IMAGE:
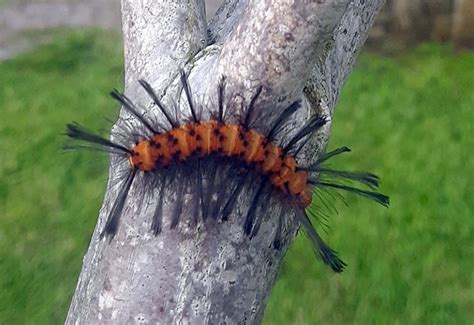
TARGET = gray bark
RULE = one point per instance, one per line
(214, 274)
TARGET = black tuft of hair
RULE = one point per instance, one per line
(77, 132)
(328, 255)
(290, 110)
(113, 218)
(313, 124)
(234, 194)
(157, 222)
(250, 219)
(365, 178)
(265, 198)
(376, 196)
(187, 91)
(163, 109)
(207, 196)
(250, 111)
(277, 239)
(331, 154)
(178, 205)
(132, 109)
(220, 100)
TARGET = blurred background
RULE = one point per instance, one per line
(407, 112)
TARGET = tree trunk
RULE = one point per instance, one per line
(214, 274)
(463, 24)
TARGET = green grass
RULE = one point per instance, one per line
(49, 200)
(409, 119)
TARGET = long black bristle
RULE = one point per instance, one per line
(313, 124)
(187, 90)
(265, 197)
(328, 255)
(331, 154)
(234, 194)
(130, 107)
(198, 196)
(277, 239)
(178, 205)
(200, 177)
(377, 197)
(290, 110)
(249, 220)
(328, 203)
(114, 216)
(250, 110)
(220, 100)
(77, 132)
(157, 222)
(366, 178)
(163, 109)
(321, 217)
(210, 188)
(68, 146)
(222, 190)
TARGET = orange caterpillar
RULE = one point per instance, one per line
(197, 149)
(230, 140)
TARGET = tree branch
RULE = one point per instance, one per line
(160, 36)
(336, 57)
(275, 42)
(215, 273)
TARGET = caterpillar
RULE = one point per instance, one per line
(199, 148)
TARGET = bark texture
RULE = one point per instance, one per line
(214, 274)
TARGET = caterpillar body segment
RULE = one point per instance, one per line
(215, 160)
